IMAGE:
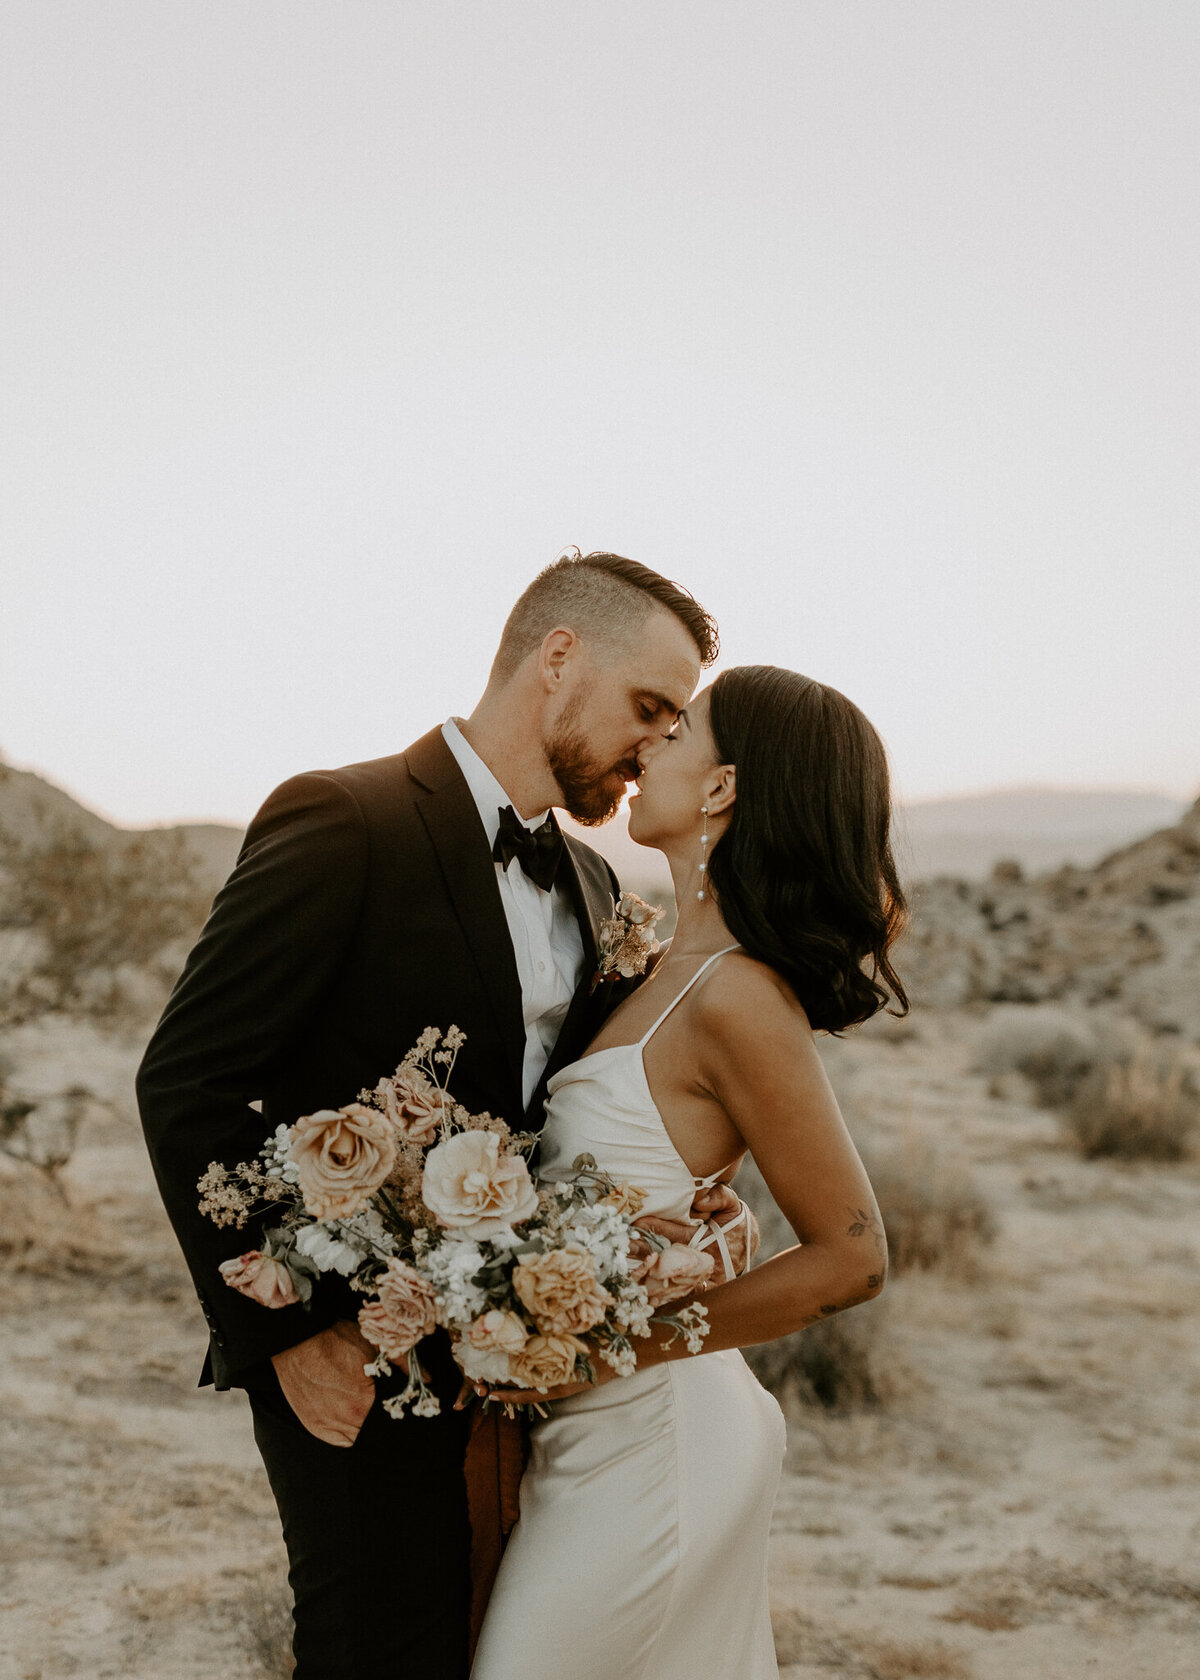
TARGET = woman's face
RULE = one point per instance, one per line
(675, 774)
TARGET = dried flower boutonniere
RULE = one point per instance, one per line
(627, 939)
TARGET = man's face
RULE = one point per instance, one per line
(615, 711)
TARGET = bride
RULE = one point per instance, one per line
(641, 1550)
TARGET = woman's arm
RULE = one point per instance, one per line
(757, 1058)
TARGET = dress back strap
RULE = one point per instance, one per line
(679, 996)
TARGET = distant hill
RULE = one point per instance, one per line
(30, 805)
(1042, 828)
(1125, 933)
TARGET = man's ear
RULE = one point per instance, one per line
(558, 647)
(720, 792)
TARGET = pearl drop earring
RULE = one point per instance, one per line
(702, 894)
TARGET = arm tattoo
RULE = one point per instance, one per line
(866, 1223)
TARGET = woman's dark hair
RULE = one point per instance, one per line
(804, 874)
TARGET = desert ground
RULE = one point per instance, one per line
(1018, 1498)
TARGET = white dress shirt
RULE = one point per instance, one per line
(545, 933)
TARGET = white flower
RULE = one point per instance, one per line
(632, 1311)
(489, 1365)
(451, 1268)
(604, 1232)
(328, 1250)
(620, 1356)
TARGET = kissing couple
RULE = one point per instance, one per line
(436, 886)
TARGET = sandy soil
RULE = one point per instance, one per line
(1023, 1503)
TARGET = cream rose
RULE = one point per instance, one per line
(469, 1186)
(670, 1274)
(262, 1278)
(561, 1291)
(342, 1156)
(545, 1362)
(499, 1332)
(412, 1103)
(404, 1312)
(483, 1365)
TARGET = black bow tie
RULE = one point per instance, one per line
(537, 850)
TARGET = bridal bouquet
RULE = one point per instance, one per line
(432, 1214)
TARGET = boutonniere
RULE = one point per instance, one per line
(627, 939)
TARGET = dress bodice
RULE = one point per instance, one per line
(601, 1105)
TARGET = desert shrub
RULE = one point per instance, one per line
(932, 1211)
(40, 1233)
(86, 909)
(1051, 1047)
(1140, 1106)
(832, 1364)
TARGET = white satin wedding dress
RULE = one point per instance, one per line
(641, 1549)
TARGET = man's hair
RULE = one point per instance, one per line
(605, 599)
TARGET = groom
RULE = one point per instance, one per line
(427, 889)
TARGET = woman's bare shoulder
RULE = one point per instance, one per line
(744, 995)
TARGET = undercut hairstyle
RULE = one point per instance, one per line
(804, 873)
(605, 599)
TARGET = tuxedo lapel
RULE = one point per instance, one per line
(456, 833)
(587, 881)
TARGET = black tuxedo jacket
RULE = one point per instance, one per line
(363, 908)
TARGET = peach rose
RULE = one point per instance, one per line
(561, 1292)
(412, 1103)
(404, 1312)
(626, 1198)
(545, 1362)
(469, 1186)
(343, 1155)
(671, 1273)
(262, 1278)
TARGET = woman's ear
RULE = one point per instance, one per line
(720, 791)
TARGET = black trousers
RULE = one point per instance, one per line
(377, 1538)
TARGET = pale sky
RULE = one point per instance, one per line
(323, 326)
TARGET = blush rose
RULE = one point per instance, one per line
(403, 1313)
(262, 1278)
(412, 1103)
(670, 1273)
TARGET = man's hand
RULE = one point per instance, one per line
(718, 1207)
(324, 1383)
(721, 1206)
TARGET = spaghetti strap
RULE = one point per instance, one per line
(679, 997)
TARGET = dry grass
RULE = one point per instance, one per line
(42, 1233)
(1032, 1588)
(1051, 1047)
(1141, 1107)
(799, 1640)
(930, 1659)
(933, 1214)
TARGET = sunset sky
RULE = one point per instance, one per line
(324, 326)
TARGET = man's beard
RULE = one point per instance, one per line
(586, 790)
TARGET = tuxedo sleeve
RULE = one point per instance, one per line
(269, 950)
